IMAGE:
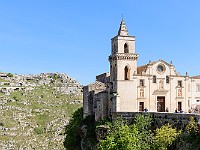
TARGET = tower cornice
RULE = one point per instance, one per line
(123, 56)
(122, 37)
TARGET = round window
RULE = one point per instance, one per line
(160, 68)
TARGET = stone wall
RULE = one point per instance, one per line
(90, 97)
(179, 120)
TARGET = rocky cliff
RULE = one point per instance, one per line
(34, 109)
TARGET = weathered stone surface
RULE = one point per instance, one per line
(179, 120)
(35, 109)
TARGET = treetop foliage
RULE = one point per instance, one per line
(122, 136)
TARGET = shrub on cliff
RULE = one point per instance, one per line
(129, 137)
(73, 138)
(10, 75)
(165, 137)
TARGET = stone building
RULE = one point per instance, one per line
(155, 86)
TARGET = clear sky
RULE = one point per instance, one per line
(73, 37)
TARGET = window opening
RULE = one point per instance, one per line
(154, 79)
(126, 73)
(167, 79)
(126, 48)
(179, 83)
(141, 82)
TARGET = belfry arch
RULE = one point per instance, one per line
(126, 49)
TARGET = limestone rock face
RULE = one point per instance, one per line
(35, 109)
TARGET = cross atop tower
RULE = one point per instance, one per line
(122, 29)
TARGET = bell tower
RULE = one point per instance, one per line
(123, 64)
(123, 59)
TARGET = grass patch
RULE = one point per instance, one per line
(42, 119)
(39, 130)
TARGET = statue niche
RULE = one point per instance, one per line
(161, 84)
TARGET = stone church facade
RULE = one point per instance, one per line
(155, 86)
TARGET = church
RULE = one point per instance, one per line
(153, 87)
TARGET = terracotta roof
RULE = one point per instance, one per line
(141, 69)
(196, 77)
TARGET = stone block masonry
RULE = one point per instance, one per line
(179, 120)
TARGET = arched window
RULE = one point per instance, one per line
(126, 73)
(167, 79)
(126, 48)
(154, 79)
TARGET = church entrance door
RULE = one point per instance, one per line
(161, 104)
(141, 107)
(179, 106)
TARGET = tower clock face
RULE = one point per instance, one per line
(160, 68)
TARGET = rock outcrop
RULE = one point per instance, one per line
(35, 109)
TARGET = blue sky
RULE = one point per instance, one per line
(73, 37)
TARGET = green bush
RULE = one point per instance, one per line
(73, 139)
(73, 131)
(129, 137)
(39, 130)
(192, 128)
(55, 76)
(122, 137)
(15, 98)
(165, 137)
(10, 75)
(6, 84)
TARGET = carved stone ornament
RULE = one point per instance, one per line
(161, 84)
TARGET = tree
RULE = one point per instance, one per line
(192, 128)
(121, 137)
(73, 139)
(80, 131)
(164, 137)
(129, 137)
(143, 124)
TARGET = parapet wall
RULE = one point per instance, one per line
(179, 120)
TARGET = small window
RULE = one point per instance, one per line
(141, 82)
(154, 79)
(167, 79)
(179, 83)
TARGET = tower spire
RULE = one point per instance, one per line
(122, 29)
